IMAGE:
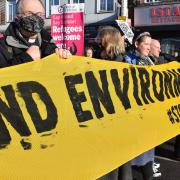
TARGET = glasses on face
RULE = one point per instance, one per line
(29, 13)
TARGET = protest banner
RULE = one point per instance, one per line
(67, 27)
(81, 118)
(124, 26)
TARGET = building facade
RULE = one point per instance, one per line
(162, 19)
(7, 11)
(95, 10)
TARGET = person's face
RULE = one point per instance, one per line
(89, 53)
(33, 6)
(30, 20)
(144, 46)
(155, 48)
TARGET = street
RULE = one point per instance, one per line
(170, 168)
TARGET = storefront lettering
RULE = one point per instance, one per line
(165, 12)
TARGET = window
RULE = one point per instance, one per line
(75, 1)
(11, 10)
(151, 1)
(105, 5)
(54, 2)
(49, 3)
(171, 46)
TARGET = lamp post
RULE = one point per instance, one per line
(124, 8)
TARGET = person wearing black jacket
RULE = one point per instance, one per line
(112, 48)
(111, 44)
(25, 39)
(155, 50)
(177, 148)
(140, 56)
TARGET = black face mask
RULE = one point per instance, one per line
(33, 23)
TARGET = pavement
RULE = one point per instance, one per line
(169, 167)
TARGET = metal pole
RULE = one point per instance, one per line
(124, 8)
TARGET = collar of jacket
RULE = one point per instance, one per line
(153, 58)
(143, 60)
(15, 39)
(11, 41)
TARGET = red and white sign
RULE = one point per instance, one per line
(157, 15)
(167, 14)
(67, 27)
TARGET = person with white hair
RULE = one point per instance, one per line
(155, 50)
(25, 39)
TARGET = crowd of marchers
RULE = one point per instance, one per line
(111, 44)
(26, 40)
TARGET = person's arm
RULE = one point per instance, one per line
(49, 47)
(127, 59)
(7, 59)
(130, 58)
(19, 59)
(119, 58)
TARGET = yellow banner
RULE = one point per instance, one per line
(81, 118)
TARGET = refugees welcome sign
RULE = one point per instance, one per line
(81, 118)
(67, 27)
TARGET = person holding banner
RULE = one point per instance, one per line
(155, 50)
(88, 52)
(177, 148)
(25, 39)
(112, 47)
(111, 44)
(140, 56)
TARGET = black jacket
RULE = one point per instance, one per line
(13, 46)
(159, 60)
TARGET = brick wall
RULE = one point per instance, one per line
(2, 11)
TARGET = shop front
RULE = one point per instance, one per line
(163, 22)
